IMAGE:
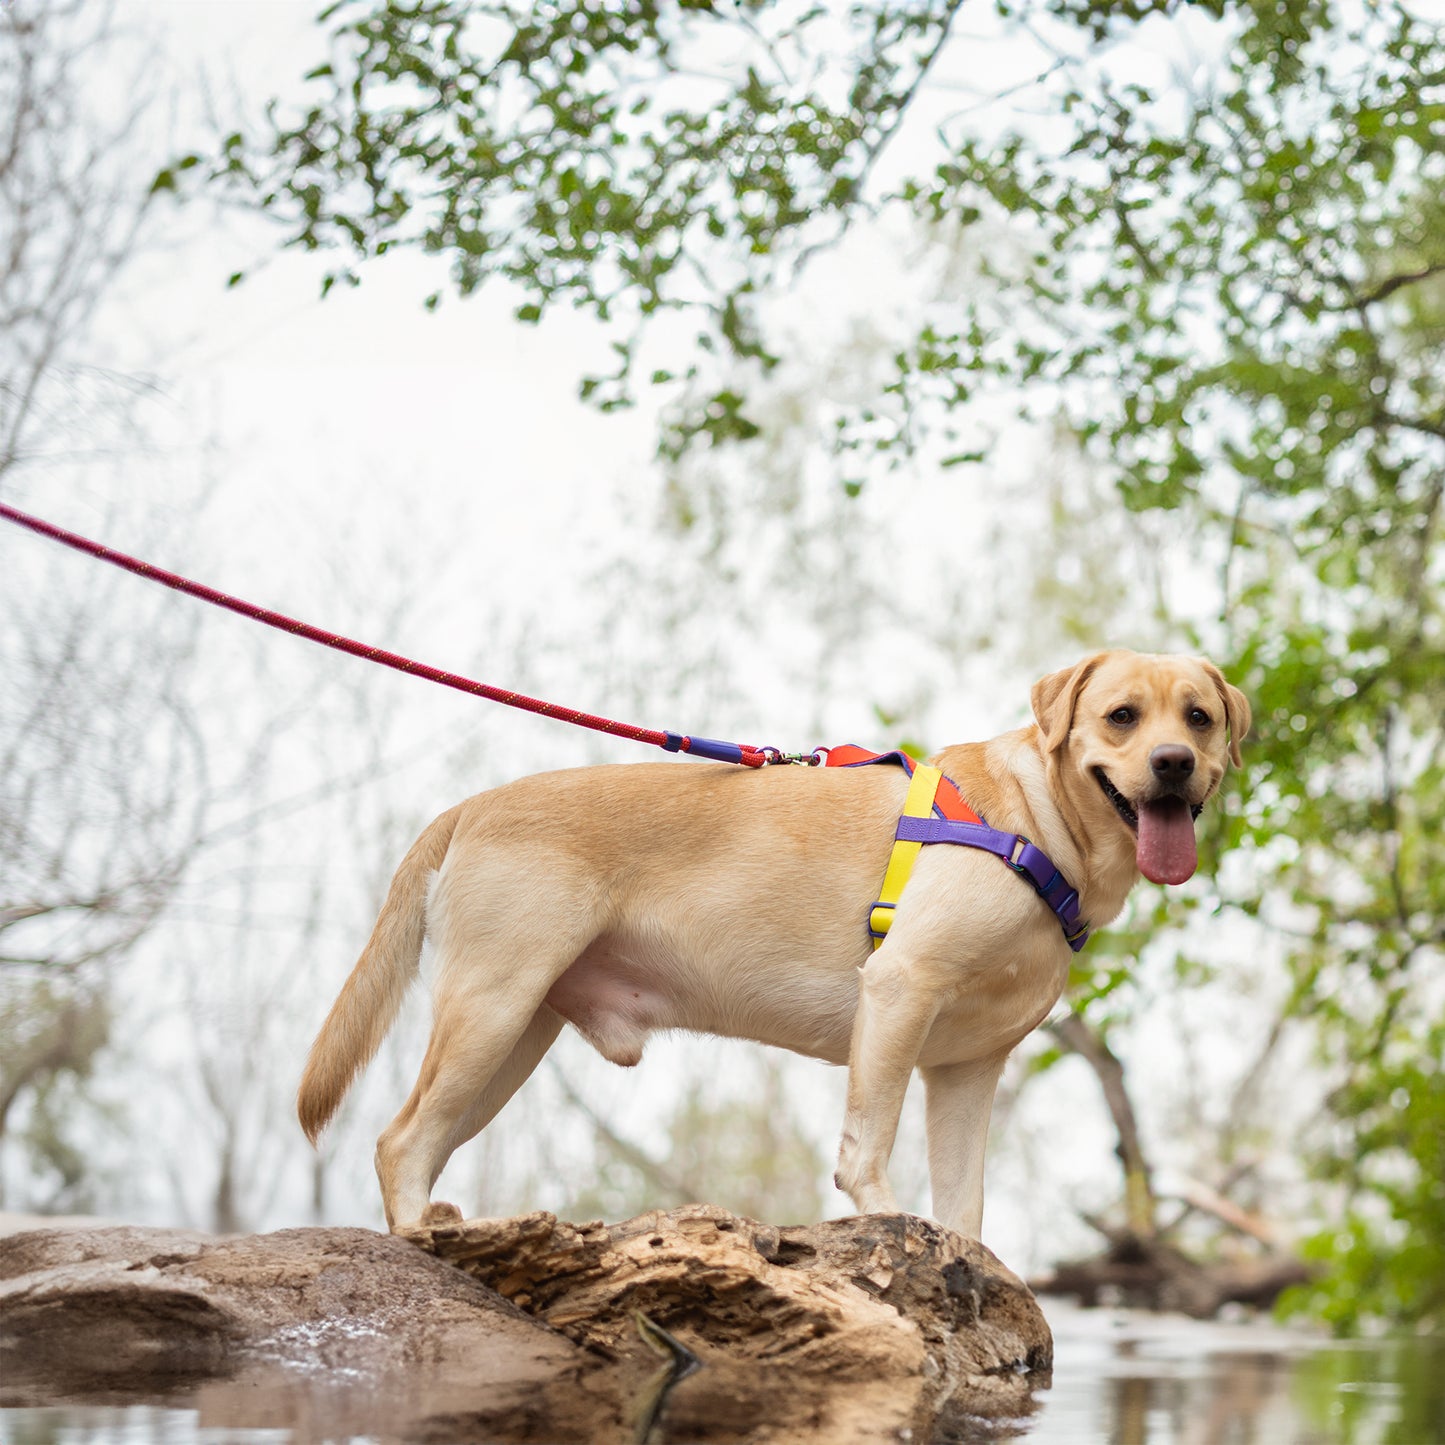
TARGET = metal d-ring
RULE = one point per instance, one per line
(803, 760)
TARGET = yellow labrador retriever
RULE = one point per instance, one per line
(735, 901)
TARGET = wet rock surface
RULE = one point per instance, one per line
(327, 1332)
(871, 1328)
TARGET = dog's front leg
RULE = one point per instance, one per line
(960, 1100)
(893, 1019)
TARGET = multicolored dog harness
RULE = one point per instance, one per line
(935, 812)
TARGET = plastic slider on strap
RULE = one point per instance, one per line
(1032, 862)
(880, 916)
(1035, 865)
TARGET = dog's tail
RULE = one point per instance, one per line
(371, 998)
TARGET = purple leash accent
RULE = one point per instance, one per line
(703, 748)
(1026, 859)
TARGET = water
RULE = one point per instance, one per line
(1127, 1378)
(1120, 1378)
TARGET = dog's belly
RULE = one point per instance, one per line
(621, 990)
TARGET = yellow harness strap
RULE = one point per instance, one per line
(918, 804)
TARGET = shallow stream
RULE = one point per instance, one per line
(1126, 1378)
(1120, 1378)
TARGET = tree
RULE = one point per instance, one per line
(100, 759)
(73, 221)
(640, 162)
(1227, 292)
(1269, 323)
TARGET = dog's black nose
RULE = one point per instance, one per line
(1172, 763)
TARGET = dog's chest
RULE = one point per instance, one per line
(998, 1009)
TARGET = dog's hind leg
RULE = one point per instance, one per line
(516, 1069)
(507, 923)
(461, 1088)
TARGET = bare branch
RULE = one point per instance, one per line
(1076, 1036)
(658, 1176)
(1392, 284)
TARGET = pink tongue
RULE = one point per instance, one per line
(1166, 852)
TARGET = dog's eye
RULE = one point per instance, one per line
(1121, 717)
(1199, 717)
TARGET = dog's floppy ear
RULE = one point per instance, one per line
(1236, 711)
(1054, 698)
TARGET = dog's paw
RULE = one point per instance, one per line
(441, 1213)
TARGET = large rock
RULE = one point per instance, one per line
(527, 1329)
(327, 1332)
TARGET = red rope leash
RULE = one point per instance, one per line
(748, 756)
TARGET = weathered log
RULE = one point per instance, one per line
(857, 1329)
(774, 1313)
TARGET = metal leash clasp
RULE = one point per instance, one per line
(803, 760)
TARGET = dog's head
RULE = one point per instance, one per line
(1141, 742)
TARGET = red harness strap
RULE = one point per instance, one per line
(948, 802)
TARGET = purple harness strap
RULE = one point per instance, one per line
(1030, 862)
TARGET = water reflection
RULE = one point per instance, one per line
(1122, 1378)
(129, 1425)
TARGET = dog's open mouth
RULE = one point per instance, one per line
(1164, 827)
